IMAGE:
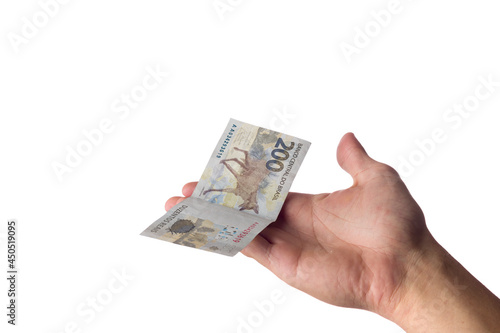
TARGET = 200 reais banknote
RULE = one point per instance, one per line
(241, 191)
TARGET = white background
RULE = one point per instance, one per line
(262, 58)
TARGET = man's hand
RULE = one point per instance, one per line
(365, 247)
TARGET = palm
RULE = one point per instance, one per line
(343, 247)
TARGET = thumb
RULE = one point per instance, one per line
(353, 158)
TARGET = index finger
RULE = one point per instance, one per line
(188, 189)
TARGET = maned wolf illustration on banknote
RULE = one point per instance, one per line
(241, 191)
(253, 172)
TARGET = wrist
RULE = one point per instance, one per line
(440, 295)
(426, 289)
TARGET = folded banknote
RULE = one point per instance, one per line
(241, 191)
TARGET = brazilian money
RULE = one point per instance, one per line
(241, 191)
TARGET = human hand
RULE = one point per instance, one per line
(366, 246)
(351, 247)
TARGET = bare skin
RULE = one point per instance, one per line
(368, 247)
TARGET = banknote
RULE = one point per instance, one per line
(241, 191)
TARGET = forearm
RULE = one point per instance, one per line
(440, 295)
